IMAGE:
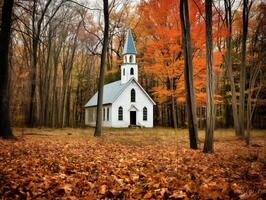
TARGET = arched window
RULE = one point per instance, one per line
(124, 72)
(120, 113)
(131, 71)
(130, 59)
(133, 95)
(145, 114)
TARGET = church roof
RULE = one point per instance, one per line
(112, 91)
(129, 47)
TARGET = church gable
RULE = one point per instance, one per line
(134, 94)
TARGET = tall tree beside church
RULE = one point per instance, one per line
(5, 32)
(210, 115)
(98, 128)
(188, 74)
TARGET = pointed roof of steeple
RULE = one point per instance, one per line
(129, 46)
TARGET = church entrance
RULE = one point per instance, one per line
(133, 118)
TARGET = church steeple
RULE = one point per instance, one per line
(129, 68)
(129, 47)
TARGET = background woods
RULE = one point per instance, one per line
(55, 57)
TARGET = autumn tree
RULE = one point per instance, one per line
(98, 128)
(256, 68)
(188, 74)
(210, 119)
(160, 50)
(5, 33)
(63, 47)
(229, 62)
(160, 58)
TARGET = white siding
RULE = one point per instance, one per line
(90, 116)
(125, 78)
(124, 100)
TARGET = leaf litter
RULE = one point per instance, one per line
(77, 167)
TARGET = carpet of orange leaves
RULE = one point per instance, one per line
(68, 165)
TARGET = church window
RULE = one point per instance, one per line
(133, 95)
(124, 72)
(130, 59)
(103, 114)
(131, 71)
(108, 114)
(145, 114)
(120, 113)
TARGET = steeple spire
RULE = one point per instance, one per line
(129, 69)
(129, 47)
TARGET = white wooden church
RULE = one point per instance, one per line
(125, 102)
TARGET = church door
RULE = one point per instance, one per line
(133, 117)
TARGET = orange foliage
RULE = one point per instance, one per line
(159, 40)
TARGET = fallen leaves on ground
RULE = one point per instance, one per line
(75, 167)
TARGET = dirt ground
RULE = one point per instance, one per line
(130, 164)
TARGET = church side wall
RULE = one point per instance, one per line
(124, 100)
(90, 116)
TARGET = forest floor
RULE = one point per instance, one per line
(130, 164)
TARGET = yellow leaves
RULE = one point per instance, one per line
(103, 189)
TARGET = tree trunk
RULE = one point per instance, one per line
(188, 74)
(243, 68)
(54, 102)
(249, 118)
(173, 104)
(98, 128)
(5, 33)
(210, 107)
(228, 59)
(35, 95)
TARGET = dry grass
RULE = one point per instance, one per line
(138, 136)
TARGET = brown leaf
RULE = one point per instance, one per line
(178, 195)
(67, 188)
(190, 187)
(235, 187)
(103, 189)
(134, 177)
(148, 195)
